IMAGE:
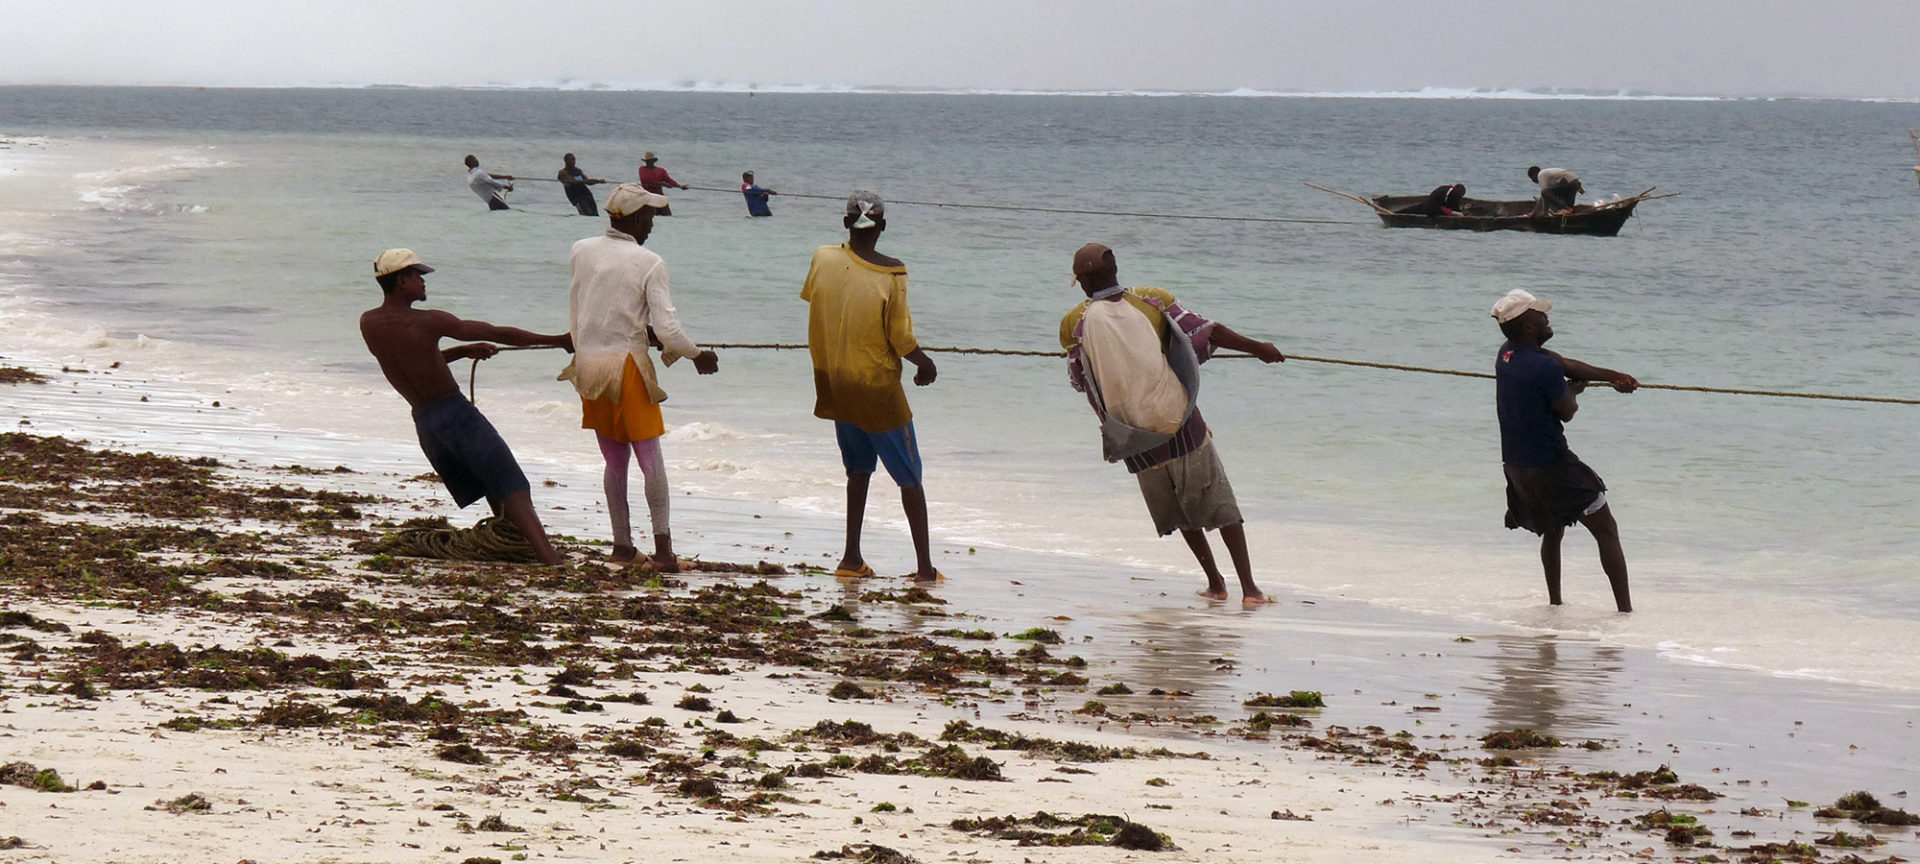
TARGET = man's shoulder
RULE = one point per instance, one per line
(1071, 321)
(1158, 296)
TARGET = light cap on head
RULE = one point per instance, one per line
(649, 157)
(395, 260)
(1089, 258)
(865, 206)
(1517, 303)
(628, 198)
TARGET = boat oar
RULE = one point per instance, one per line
(1377, 208)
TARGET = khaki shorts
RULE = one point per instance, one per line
(1190, 493)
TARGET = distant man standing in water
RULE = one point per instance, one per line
(756, 195)
(1549, 488)
(488, 186)
(618, 304)
(1559, 189)
(858, 331)
(656, 180)
(576, 181)
(463, 447)
(1136, 354)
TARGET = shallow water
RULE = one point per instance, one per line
(220, 240)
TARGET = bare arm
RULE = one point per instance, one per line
(1566, 406)
(1225, 337)
(481, 331)
(1584, 372)
(471, 351)
(924, 371)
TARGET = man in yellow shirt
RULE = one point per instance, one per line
(858, 331)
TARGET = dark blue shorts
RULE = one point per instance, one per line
(466, 452)
(896, 448)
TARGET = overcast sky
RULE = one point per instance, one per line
(1868, 48)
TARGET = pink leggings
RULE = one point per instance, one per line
(647, 453)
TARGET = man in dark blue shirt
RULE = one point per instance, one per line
(1549, 488)
(756, 195)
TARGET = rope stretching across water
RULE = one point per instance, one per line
(1062, 210)
(1368, 364)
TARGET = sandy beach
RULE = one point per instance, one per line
(201, 667)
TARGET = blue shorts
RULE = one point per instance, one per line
(466, 452)
(896, 448)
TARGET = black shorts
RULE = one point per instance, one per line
(1541, 497)
(582, 199)
(466, 451)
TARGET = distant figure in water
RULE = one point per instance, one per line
(858, 330)
(462, 446)
(1558, 189)
(1136, 354)
(576, 181)
(1549, 488)
(488, 186)
(619, 303)
(756, 195)
(1444, 200)
(656, 180)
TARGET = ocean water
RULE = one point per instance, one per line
(220, 240)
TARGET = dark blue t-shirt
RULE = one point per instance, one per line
(1527, 381)
(756, 200)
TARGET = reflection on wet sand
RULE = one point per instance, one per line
(1559, 688)
(1177, 650)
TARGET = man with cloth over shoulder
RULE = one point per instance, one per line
(1136, 354)
(462, 446)
(858, 331)
(619, 303)
(1549, 488)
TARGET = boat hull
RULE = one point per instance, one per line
(1604, 220)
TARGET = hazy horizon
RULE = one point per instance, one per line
(1714, 48)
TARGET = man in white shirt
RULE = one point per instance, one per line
(488, 186)
(620, 304)
(1558, 188)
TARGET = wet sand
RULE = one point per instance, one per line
(365, 791)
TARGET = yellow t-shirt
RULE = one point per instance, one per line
(858, 328)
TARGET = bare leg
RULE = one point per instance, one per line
(1203, 552)
(1612, 558)
(1550, 561)
(856, 515)
(519, 507)
(613, 480)
(1235, 536)
(913, 499)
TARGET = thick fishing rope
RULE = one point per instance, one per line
(1368, 364)
(1059, 210)
(491, 539)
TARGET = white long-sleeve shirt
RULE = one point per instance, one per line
(483, 183)
(619, 290)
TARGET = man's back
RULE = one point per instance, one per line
(654, 178)
(858, 328)
(1527, 381)
(407, 344)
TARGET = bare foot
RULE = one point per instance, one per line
(927, 578)
(664, 564)
(623, 554)
(1212, 594)
(1252, 600)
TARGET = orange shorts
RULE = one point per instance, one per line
(636, 417)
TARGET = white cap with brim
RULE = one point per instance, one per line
(395, 260)
(1516, 303)
(628, 198)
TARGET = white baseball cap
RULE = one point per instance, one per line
(628, 198)
(395, 260)
(1516, 303)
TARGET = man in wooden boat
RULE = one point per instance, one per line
(1445, 200)
(1549, 488)
(1136, 354)
(1558, 189)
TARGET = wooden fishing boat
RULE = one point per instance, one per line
(1476, 214)
(1603, 219)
